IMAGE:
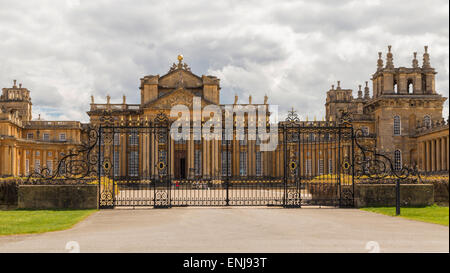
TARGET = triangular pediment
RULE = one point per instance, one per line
(176, 97)
(180, 77)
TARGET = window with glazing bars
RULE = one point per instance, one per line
(308, 167)
(116, 139)
(259, 164)
(133, 138)
(243, 163)
(224, 138)
(397, 160)
(397, 125)
(116, 163)
(198, 162)
(226, 166)
(133, 163)
(50, 166)
(321, 167)
(37, 165)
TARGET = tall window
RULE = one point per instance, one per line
(243, 163)
(116, 165)
(397, 160)
(27, 166)
(50, 166)
(37, 165)
(30, 136)
(226, 165)
(321, 167)
(410, 87)
(134, 138)
(259, 164)
(397, 125)
(427, 121)
(330, 166)
(133, 163)
(308, 167)
(62, 137)
(46, 136)
(198, 162)
(116, 139)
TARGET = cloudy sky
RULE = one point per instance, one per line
(293, 51)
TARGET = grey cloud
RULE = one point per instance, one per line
(291, 50)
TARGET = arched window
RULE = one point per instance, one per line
(427, 121)
(397, 160)
(395, 87)
(410, 86)
(397, 126)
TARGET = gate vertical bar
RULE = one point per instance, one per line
(227, 176)
(285, 166)
(339, 172)
(353, 167)
(99, 136)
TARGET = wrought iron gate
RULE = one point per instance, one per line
(144, 166)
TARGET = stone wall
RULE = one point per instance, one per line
(58, 197)
(8, 195)
(441, 192)
(383, 195)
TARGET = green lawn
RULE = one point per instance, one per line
(38, 221)
(431, 214)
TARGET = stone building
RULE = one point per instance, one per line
(26, 143)
(402, 118)
(404, 102)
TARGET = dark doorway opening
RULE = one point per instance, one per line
(183, 168)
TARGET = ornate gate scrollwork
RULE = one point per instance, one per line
(292, 181)
(108, 189)
(78, 166)
(162, 184)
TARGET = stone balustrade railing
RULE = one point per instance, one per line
(432, 126)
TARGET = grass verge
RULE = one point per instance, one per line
(39, 221)
(431, 214)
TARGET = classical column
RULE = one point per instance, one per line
(204, 171)
(422, 156)
(212, 144)
(447, 151)
(433, 155)
(443, 154)
(218, 158)
(189, 158)
(427, 162)
(438, 154)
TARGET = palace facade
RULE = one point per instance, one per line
(402, 118)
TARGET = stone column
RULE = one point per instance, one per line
(422, 156)
(189, 158)
(218, 157)
(212, 151)
(447, 152)
(204, 170)
(433, 155)
(427, 162)
(443, 153)
(438, 154)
